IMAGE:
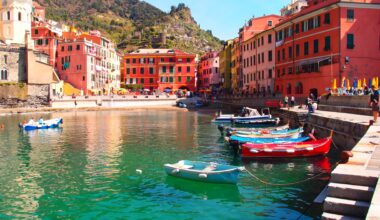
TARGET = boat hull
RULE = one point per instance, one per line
(270, 134)
(220, 175)
(53, 123)
(303, 149)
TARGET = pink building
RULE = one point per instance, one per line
(208, 71)
(258, 49)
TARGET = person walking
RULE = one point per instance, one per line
(286, 99)
(374, 103)
(292, 101)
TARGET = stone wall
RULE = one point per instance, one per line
(12, 59)
(16, 95)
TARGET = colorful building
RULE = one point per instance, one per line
(234, 64)
(225, 66)
(162, 69)
(294, 7)
(89, 62)
(329, 39)
(258, 47)
(208, 72)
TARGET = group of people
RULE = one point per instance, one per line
(311, 102)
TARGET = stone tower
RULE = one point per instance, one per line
(16, 17)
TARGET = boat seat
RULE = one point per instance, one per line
(209, 168)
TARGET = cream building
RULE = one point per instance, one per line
(15, 20)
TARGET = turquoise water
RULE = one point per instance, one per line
(87, 170)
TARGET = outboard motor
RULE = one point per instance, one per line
(228, 132)
(235, 146)
(221, 129)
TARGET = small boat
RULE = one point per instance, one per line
(248, 114)
(52, 123)
(229, 130)
(203, 171)
(302, 149)
(270, 134)
(257, 140)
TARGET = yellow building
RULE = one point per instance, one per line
(225, 65)
(235, 64)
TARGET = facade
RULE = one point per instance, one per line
(15, 20)
(328, 40)
(225, 66)
(235, 64)
(257, 49)
(159, 69)
(208, 72)
(12, 64)
(89, 62)
(294, 7)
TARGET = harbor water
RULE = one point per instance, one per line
(87, 170)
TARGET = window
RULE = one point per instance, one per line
(164, 69)
(262, 57)
(70, 48)
(130, 81)
(270, 73)
(283, 53)
(290, 70)
(306, 48)
(188, 69)
(316, 45)
(128, 71)
(171, 59)
(269, 38)
(258, 59)
(179, 69)
(327, 18)
(310, 23)
(46, 41)
(84, 78)
(262, 40)
(350, 41)
(290, 52)
(171, 69)
(5, 59)
(254, 59)
(290, 31)
(4, 75)
(297, 28)
(327, 43)
(317, 21)
(188, 60)
(35, 32)
(133, 60)
(188, 79)
(350, 14)
(141, 70)
(170, 79)
(305, 26)
(270, 56)
(278, 73)
(150, 80)
(63, 48)
(78, 47)
(8, 15)
(128, 61)
(278, 55)
(134, 70)
(179, 78)
(151, 70)
(19, 16)
(270, 23)
(289, 88)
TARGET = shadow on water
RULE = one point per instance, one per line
(207, 191)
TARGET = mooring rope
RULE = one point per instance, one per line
(284, 184)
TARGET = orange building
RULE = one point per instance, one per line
(327, 40)
(159, 69)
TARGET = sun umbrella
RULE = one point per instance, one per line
(348, 84)
(334, 85)
(343, 84)
(364, 83)
(359, 84)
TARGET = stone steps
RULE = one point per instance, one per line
(350, 175)
(348, 191)
(347, 207)
(330, 216)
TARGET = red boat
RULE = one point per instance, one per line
(302, 149)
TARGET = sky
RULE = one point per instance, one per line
(224, 17)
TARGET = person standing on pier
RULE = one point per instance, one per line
(374, 103)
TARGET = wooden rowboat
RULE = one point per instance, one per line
(302, 149)
(204, 172)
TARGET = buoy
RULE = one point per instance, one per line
(138, 171)
(202, 175)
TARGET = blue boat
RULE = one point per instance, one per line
(52, 123)
(293, 139)
(204, 172)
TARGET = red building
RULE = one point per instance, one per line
(159, 69)
(208, 71)
(327, 40)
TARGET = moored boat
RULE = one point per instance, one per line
(203, 171)
(256, 140)
(52, 123)
(301, 149)
(270, 134)
(262, 121)
(247, 114)
(229, 130)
